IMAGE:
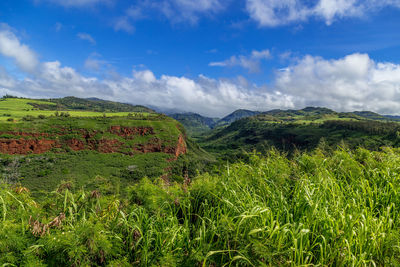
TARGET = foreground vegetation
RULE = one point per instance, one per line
(336, 208)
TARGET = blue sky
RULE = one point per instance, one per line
(205, 56)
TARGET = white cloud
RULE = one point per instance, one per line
(145, 76)
(250, 62)
(176, 11)
(124, 24)
(10, 46)
(271, 13)
(86, 37)
(5, 79)
(355, 82)
(95, 63)
(75, 3)
(188, 10)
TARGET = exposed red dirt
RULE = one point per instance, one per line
(24, 146)
(38, 143)
(131, 131)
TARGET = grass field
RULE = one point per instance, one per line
(337, 208)
(17, 108)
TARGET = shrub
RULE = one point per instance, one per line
(28, 118)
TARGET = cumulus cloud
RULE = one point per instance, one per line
(203, 95)
(86, 37)
(11, 47)
(270, 13)
(250, 62)
(355, 82)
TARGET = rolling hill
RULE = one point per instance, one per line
(236, 115)
(196, 124)
(43, 142)
(303, 129)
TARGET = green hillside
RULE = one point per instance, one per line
(236, 115)
(301, 129)
(95, 104)
(43, 146)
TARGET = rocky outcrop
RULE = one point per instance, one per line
(180, 147)
(37, 143)
(156, 146)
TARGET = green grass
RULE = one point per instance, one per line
(165, 129)
(44, 173)
(17, 108)
(337, 208)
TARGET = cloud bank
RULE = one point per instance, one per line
(354, 82)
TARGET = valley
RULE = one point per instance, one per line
(267, 187)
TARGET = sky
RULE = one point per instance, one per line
(205, 56)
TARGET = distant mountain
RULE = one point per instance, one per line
(91, 104)
(370, 115)
(237, 115)
(392, 117)
(308, 111)
(195, 123)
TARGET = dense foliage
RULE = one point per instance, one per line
(320, 208)
(255, 133)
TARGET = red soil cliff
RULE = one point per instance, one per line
(38, 143)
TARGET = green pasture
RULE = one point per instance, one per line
(17, 108)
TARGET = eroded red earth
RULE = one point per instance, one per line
(37, 143)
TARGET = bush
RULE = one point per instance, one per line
(28, 118)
